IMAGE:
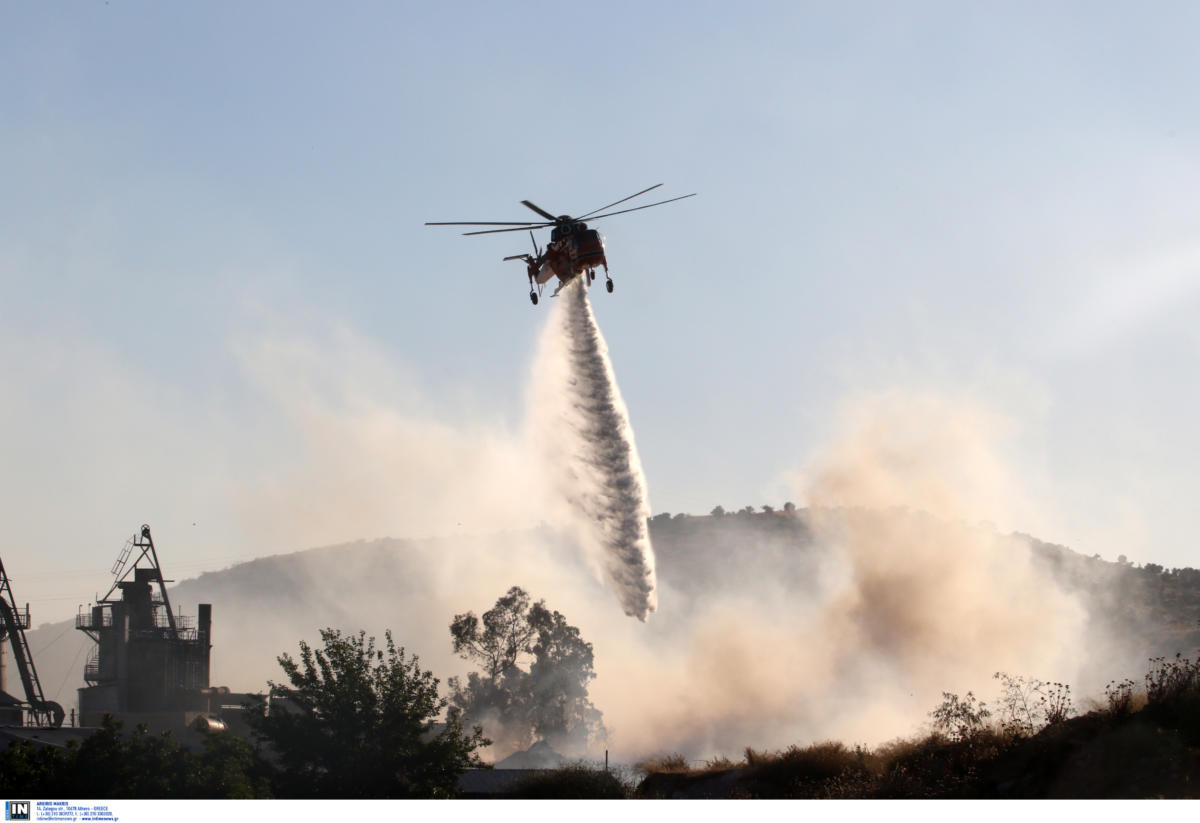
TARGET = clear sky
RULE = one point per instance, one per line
(212, 254)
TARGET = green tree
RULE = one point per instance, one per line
(138, 765)
(536, 668)
(559, 710)
(357, 721)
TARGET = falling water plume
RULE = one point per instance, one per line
(590, 447)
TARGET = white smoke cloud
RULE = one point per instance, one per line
(897, 597)
(351, 445)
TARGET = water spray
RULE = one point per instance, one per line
(591, 449)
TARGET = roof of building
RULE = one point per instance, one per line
(56, 738)
(538, 756)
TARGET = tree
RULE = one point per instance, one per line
(360, 722)
(140, 765)
(505, 634)
(535, 673)
(718, 511)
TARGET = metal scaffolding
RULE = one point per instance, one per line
(37, 709)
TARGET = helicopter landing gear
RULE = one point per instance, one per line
(591, 276)
(533, 297)
(608, 284)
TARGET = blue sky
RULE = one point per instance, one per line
(214, 215)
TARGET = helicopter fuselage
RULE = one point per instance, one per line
(573, 249)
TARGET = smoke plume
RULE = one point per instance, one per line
(850, 622)
(583, 425)
(845, 620)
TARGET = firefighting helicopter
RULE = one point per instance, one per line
(574, 249)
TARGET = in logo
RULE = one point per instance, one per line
(16, 809)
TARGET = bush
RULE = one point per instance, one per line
(576, 782)
(960, 718)
(805, 772)
(1120, 698)
(1028, 705)
(1171, 680)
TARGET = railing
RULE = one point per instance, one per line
(84, 620)
(161, 621)
(91, 669)
(164, 633)
(21, 619)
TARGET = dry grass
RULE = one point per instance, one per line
(674, 763)
(1144, 743)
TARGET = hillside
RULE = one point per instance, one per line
(727, 585)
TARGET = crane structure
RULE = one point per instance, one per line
(36, 710)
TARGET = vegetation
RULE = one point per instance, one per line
(352, 720)
(109, 764)
(576, 782)
(1029, 704)
(1144, 743)
(961, 719)
(358, 721)
(548, 700)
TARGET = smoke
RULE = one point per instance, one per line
(854, 632)
(773, 630)
(582, 425)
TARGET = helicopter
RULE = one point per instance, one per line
(573, 250)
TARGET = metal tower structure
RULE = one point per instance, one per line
(13, 623)
(148, 661)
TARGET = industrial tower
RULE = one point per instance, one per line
(150, 665)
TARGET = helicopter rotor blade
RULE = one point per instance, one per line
(542, 212)
(515, 228)
(482, 223)
(622, 200)
(639, 208)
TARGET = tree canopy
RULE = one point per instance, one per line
(356, 721)
(111, 764)
(534, 680)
